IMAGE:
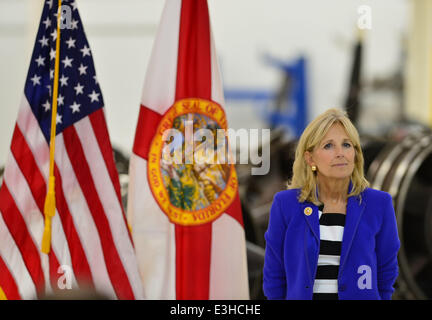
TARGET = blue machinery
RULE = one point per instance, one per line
(286, 107)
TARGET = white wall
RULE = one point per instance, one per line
(244, 30)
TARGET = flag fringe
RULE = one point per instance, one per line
(2, 294)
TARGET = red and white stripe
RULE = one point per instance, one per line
(89, 231)
(177, 262)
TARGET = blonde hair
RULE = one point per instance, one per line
(303, 177)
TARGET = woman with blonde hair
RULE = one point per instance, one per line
(330, 236)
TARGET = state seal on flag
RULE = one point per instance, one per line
(189, 169)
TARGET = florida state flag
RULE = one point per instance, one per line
(185, 214)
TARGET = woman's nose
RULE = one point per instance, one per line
(339, 152)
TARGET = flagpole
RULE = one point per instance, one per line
(50, 205)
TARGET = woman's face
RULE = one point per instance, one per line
(334, 155)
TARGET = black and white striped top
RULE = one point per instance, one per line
(331, 233)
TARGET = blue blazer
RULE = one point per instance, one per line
(368, 265)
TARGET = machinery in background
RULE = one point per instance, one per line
(286, 107)
(403, 168)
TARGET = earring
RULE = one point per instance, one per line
(314, 168)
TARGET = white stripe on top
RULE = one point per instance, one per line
(325, 286)
(331, 233)
(328, 260)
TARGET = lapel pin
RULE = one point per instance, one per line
(308, 211)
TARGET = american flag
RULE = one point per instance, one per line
(91, 245)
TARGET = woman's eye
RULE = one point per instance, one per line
(347, 145)
(327, 146)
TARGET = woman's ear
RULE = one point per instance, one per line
(308, 158)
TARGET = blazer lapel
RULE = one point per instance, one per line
(312, 219)
(353, 216)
